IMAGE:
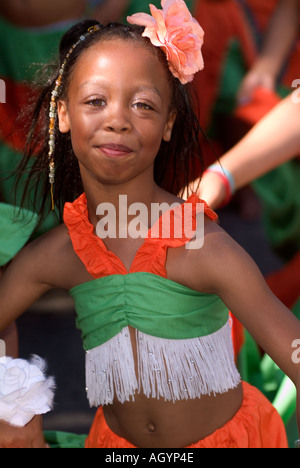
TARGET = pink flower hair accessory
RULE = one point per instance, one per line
(179, 34)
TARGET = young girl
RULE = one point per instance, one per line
(153, 312)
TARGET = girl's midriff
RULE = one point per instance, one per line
(239, 418)
(152, 423)
(155, 423)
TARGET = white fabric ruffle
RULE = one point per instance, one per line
(24, 390)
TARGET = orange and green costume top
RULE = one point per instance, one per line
(183, 337)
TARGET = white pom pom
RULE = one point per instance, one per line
(24, 390)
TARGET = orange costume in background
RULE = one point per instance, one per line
(224, 23)
(262, 13)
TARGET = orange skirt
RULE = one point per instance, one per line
(256, 425)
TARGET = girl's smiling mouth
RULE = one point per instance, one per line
(113, 150)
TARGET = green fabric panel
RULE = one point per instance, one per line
(232, 73)
(296, 309)
(16, 227)
(64, 440)
(9, 160)
(23, 50)
(262, 372)
(152, 304)
(280, 195)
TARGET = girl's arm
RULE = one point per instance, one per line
(10, 340)
(272, 142)
(23, 282)
(30, 436)
(232, 274)
(9, 337)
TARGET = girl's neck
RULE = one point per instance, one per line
(116, 195)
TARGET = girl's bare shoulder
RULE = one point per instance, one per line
(54, 260)
(209, 256)
(51, 244)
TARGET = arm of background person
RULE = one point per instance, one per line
(273, 141)
(279, 40)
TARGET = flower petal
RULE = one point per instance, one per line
(141, 19)
(181, 37)
(160, 21)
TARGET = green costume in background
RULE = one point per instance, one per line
(22, 51)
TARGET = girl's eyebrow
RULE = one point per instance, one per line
(93, 82)
(149, 88)
(105, 84)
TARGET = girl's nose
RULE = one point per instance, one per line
(117, 120)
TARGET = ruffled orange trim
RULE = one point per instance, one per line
(150, 258)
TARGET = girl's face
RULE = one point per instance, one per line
(117, 110)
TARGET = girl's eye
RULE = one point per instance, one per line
(96, 103)
(142, 106)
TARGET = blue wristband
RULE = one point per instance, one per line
(225, 172)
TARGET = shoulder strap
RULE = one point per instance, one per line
(173, 229)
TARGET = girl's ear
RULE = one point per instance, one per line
(169, 126)
(63, 117)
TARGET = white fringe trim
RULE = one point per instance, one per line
(110, 371)
(168, 369)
